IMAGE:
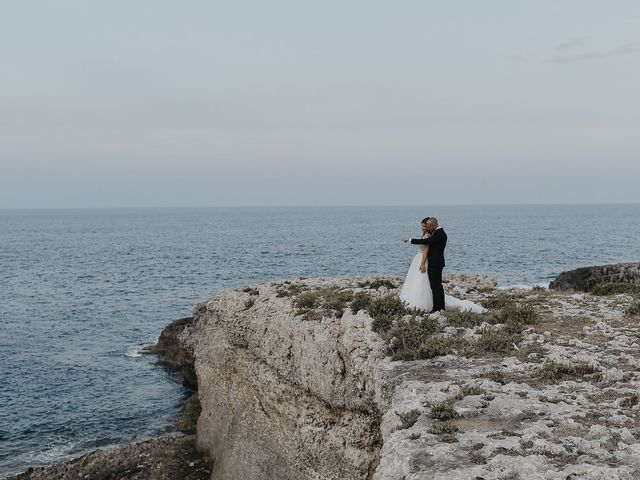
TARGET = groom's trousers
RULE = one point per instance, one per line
(435, 279)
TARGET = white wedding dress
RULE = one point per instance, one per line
(416, 291)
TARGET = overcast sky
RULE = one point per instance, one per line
(205, 103)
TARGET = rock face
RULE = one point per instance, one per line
(584, 279)
(295, 384)
(284, 397)
(173, 354)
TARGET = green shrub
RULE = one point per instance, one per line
(381, 324)
(441, 428)
(378, 283)
(555, 372)
(336, 300)
(523, 314)
(389, 305)
(497, 341)
(495, 375)
(288, 290)
(384, 311)
(408, 337)
(459, 318)
(307, 300)
(633, 310)
(434, 347)
(361, 301)
(499, 300)
(468, 390)
(408, 419)
(251, 290)
(616, 289)
(443, 411)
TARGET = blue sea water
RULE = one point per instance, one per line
(82, 290)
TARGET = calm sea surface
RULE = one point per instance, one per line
(82, 290)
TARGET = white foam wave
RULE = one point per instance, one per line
(522, 286)
(135, 351)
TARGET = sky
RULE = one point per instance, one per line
(157, 103)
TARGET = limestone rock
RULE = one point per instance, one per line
(585, 278)
(173, 354)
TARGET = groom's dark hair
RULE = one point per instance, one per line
(425, 219)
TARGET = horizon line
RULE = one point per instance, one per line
(150, 207)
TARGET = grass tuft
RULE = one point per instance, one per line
(442, 428)
(633, 310)
(604, 289)
(499, 300)
(378, 283)
(408, 338)
(307, 300)
(288, 289)
(498, 341)
(408, 419)
(384, 311)
(324, 302)
(443, 411)
(459, 318)
(361, 301)
(555, 372)
(434, 347)
(469, 390)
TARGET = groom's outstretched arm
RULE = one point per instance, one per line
(423, 241)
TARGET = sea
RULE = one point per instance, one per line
(82, 291)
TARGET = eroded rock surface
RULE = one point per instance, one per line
(283, 396)
(586, 278)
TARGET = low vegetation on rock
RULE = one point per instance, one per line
(604, 289)
(378, 283)
(443, 411)
(315, 304)
(555, 372)
(633, 310)
(442, 428)
(408, 419)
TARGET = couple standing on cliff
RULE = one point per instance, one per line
(422, 286)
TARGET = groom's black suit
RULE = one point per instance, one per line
(437, 243)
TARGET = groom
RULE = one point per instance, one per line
(437, 243)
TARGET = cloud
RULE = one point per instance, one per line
(578, 54)
(576, 43)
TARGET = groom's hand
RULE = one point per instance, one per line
(423, 268)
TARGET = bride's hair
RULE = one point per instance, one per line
(425, 219)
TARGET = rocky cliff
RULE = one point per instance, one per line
(586, 279)
(287, 392)
(336, 379)
(333, 379)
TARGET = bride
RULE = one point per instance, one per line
(416, 290)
